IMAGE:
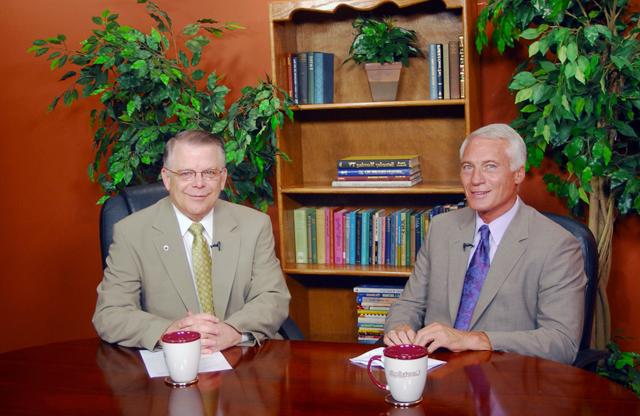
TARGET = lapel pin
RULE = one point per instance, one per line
(165, 247)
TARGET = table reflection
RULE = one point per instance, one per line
(216, 393)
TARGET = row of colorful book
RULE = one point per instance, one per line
(310, 77)
(373, 304)
(378, 171)
(361, 236)
(446, 70)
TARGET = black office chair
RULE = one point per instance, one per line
(587, 358)
(135, 198)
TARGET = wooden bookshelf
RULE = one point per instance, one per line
(323, 303)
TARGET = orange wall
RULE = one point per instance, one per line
(48, 217)
(50, 264)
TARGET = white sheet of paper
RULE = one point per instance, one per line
(156, 367)
(364, 359)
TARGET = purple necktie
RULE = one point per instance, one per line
(473, 281)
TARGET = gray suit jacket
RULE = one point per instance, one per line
(532, 301)
(147, 283)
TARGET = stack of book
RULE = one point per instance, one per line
(310, 77)
(378, 171)
(362, 236)
(446, 70)
(374, 302)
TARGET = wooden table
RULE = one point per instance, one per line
(292, 377)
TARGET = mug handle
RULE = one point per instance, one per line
(371, 376)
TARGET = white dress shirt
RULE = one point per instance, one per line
(497, 228)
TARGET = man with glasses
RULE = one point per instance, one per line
(192, 261)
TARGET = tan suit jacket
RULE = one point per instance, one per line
(532, 301)
(147, 283)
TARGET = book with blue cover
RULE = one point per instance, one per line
(323, 77)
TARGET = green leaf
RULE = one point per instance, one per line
(155, 35)
(523, 95)
(102, 199)
(583, 195)
(586, 177)
(233, 26)
(195, 58)
(624, 128)
(96, 20)
(195, 103)
(591, 33)
(530, 34)
(70, 96)
(580, 75)
(562, 53)
(193, 45)
(573, 148)
(41, 51)
(53, 104)
(131, 107)
(183, 59)
(191, 29)
(165, 79)
(197, 75)
(522, 80)
(572, 51)
(139, 64)
(570, 70)
(67, 75)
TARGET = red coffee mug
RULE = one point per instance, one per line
(405, 367)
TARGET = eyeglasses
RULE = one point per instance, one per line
(190, 175)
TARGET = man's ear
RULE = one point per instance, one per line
(166, 180)
(518, 175)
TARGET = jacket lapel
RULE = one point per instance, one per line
(225, 259)
(511, 248)
(170, 248)
(458, 257)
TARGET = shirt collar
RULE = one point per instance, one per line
(185, 222)
(499, 226)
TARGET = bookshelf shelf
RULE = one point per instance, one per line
(381, 104)
(347, 270)
(323, 303)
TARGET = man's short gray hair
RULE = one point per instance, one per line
(516, 149)
(194, 137)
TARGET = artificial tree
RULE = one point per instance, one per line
(578, 100)
(150, 87)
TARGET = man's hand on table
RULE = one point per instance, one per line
(215, 334)
(437, 335)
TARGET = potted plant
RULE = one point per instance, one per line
(149, 88)
(578, 100)
(384, 49)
